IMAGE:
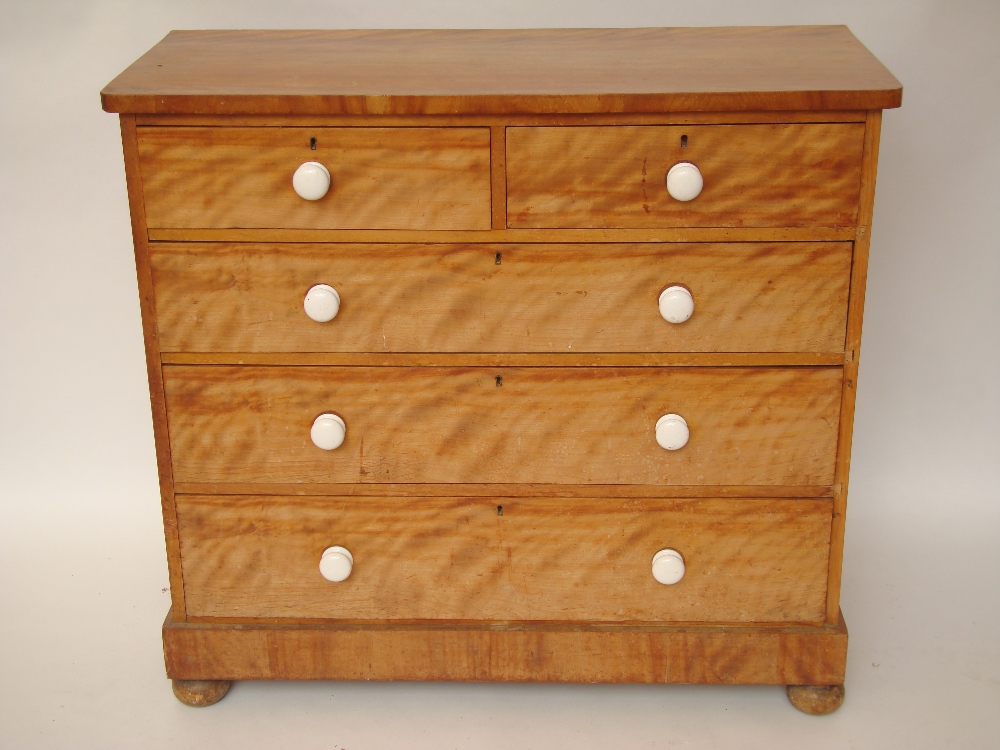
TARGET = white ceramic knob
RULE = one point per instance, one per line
(336, 564)
(676, 304)
(672, 432)
(668, 566)
(322, 303)
(311, 180)
(328, 432)
(684, 181)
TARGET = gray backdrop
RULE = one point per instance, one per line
(82, 565)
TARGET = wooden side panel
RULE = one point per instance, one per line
(525, 559)
(663, 654)
(779, 297)
(154, 372)
(504, 425)
(859, 276)
(755, 175)
(382, 178)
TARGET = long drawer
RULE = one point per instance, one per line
(752, 297)
(773, 175)
(505, 559)
(748, 426)
(381, 178)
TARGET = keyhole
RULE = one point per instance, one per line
(684, 141)
(312, 144)
(499, 510)
(498, 258)
(499, 381)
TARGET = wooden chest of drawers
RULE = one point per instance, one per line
(504, 355)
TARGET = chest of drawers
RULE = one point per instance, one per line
(504, 355)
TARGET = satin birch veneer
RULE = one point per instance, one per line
(586, 560)
(755, 175)
(494, 240)
(522, 652)
(776, 426)
(580, 297)
(381, 178)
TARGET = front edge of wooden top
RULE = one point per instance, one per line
(547, 71)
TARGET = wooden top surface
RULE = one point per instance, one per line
(504, 71)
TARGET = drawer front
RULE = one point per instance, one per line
(542, 559)
(779, 297)
(381, 178)
(754, 175)
(748, 426)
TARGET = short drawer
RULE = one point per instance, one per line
(380, 178)
(776, 175)
(747, 426)
(779, 297)
(505, 559)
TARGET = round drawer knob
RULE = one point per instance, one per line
(322, 303)
(676, 304)
(684, 181)
(672, 432)
(328, 432)
(668, 566)
(336, 564)
(311, 180)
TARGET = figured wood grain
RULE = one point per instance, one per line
(859, 275)
(483, 71)
(527, 559)
(382, 178)
(781, 297)
(546, 425)
(519, 653)
(384, 236)
(502, 490)
(789, 175)
(511, 359)
(154, 373)
(498, 176)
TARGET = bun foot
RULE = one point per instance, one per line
(816, 699)
(200, 692)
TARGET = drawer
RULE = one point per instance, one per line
(380, 178)
(748, 426)
(779, 297)
(542, 559)
(754, 175)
